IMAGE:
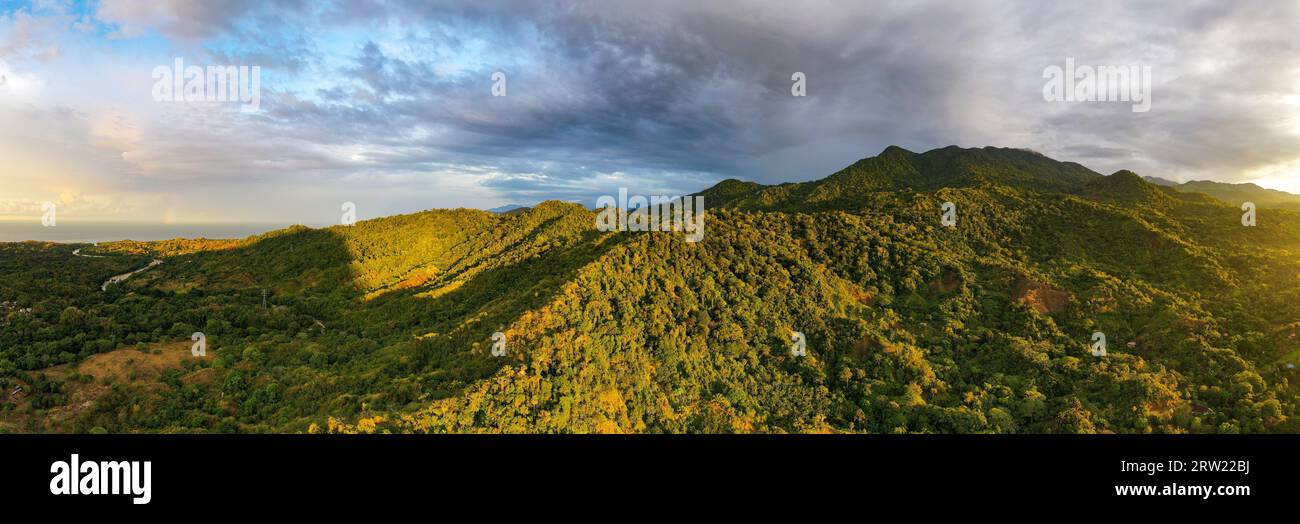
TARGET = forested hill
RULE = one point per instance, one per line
(897, 169)
(910, 326)
(1262, 197)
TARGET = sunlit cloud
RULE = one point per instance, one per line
(388, 104)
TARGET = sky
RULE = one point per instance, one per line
(390, 105)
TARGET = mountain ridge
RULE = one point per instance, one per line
(911, 325)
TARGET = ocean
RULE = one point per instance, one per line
(80, 232)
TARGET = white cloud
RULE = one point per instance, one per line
(664, 98)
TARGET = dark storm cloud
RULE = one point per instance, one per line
(606, 89)
(677, 95)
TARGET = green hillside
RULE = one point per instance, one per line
(910, 326)
(1237, 193)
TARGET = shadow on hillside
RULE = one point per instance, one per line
(433, 338)
(455, 326)
(285, 262)
(328, 349)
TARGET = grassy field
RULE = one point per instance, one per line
(86, 382)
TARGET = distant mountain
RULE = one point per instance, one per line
(506, 208)
(897, 169)
(1160, 181)
(1238, 193)
(910, 326)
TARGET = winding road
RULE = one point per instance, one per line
(118, 278)
(77, 252)
(124, 276)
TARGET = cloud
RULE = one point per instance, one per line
(702, 88)
(188, 20)
(668, 97)
(32, 36)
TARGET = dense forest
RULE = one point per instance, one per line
(910, 326)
